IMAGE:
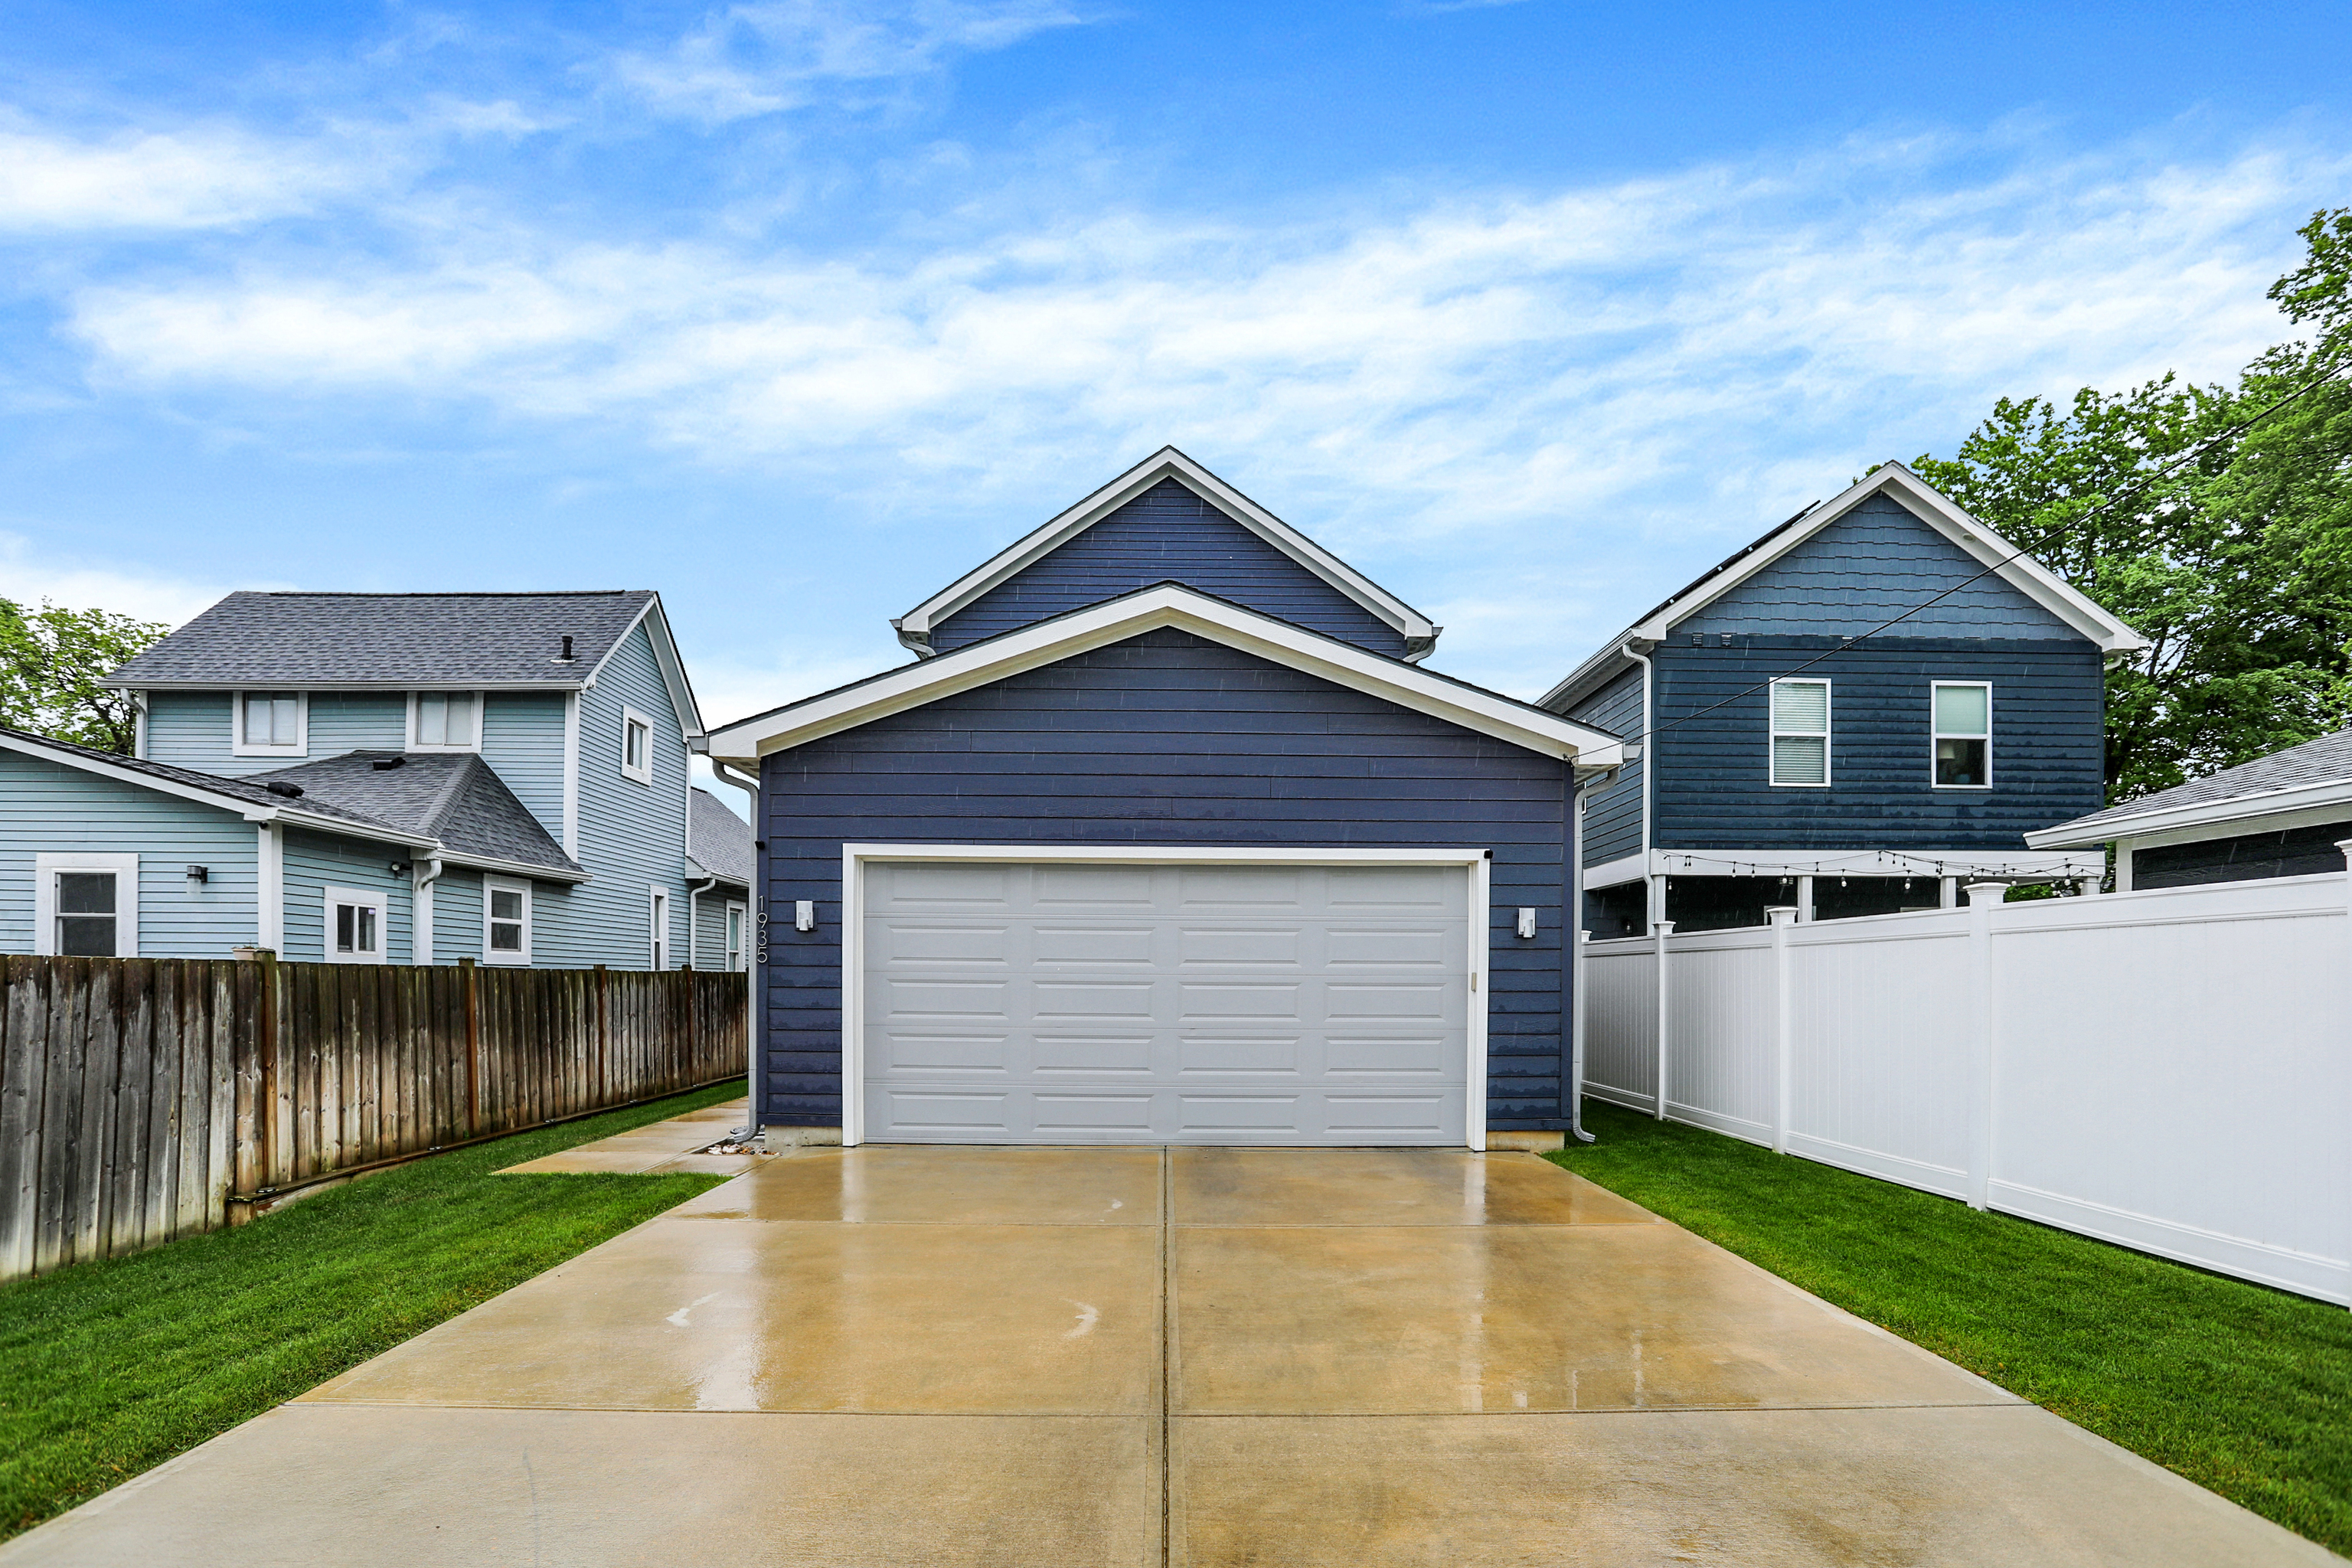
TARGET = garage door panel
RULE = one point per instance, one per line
(1244, 1004)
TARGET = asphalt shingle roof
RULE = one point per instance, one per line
(249, 789)
(453, 797)
(2327, 760)
(389, 640)
(723, 840)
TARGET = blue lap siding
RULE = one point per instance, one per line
(1167, 533)
(1166, 739)
(1612, 816)
(1714, 789)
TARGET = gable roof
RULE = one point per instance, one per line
(454, 798)
(721, 841)
(249, 796)
(1915, 496)
(914, 628)
(978, 664)
(2317, 773)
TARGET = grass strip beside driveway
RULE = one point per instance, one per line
(108, 1369)
(2243, 1389)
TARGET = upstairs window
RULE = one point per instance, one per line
(1800, 733)
(447, 722)
(637, 746)
(1963, 712)
(270, 723)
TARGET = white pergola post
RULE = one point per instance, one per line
(1659, 931)
(1782, 916)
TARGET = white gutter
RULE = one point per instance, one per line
(2198, 814)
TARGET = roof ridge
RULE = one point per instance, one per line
(446, 798)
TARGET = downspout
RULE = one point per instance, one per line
(1574, 935)
(693, 925)
(1652, 888)
(756, 939)
(420, 910)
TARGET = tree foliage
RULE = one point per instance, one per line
(51, 660)
(2217, 521)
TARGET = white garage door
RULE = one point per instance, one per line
(1066, 1002)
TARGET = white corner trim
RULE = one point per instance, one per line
(270, 903)
(856, 856)
(2026, 574)
(643, 775)
(2241, 813)
(47, 864)
(1166, 463)
(373, 897)
(572, 774)
(236, 745)
(508, 885)
(415, 744)
(981, 664)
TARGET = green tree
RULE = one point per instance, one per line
(2236, 564)
(51, 660)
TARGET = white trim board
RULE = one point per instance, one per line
(915, 628)
(1099, 625)
(2301, 805)
(855, 857)
(2016, 865)
(47, 863)
(666, 661)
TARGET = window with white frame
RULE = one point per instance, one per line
(506, 920)
(1800, 733)
(356, 919)
(735, 914)
(658, 928)
(1963, 720)
(86, 905)
(637, 746)
(270, 724)
(444, 721)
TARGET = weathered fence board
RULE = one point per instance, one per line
(146, 1098)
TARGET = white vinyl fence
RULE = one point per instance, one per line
(2171, 1070)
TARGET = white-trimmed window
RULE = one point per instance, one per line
(269, 724)
(1800, 733)
(86, 905)
(737, 919)
(506, 920)
(356, 922)
(657, 928)
(1963, 734)
(637, 746)
(445, 721)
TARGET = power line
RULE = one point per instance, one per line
(2191, 455)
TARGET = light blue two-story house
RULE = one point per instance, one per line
(1873, 703)
(386, 778)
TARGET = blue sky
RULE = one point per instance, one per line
(795, 311)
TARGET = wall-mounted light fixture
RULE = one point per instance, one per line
(399, 867)
(198, 875)
(804, 915)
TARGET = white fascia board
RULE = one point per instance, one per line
(2026, 574)
(1166, 463)
(2241, 813)
(515, 867)
(983, 664)
(1589, 677)
(665, 659)
(2015, 864)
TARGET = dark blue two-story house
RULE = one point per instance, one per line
(1867, 707)
(1164, 837)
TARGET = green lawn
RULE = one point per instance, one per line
(2243, 1389)
(110, 1368)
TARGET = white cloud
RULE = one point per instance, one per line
(30, 577)
(1464, 363)
(200, 178)
(757, 59)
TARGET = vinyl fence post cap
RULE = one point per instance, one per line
(1781, 914)
(1987, 892)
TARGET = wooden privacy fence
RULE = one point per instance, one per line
(143, 1098)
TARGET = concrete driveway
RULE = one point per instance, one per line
(947, 1356)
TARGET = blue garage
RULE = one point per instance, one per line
(1165, 836)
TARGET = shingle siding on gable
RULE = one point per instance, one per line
(632, 836)
(1166, 739)
(1167, 533)
(1714, 788)
(1874, 563)
(46, 806)
(1612, 816)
